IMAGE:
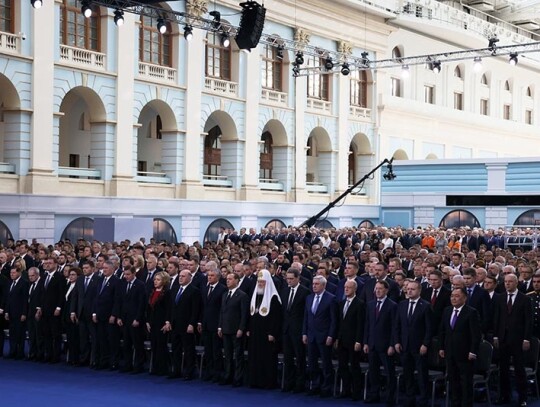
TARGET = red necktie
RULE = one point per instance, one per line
(434, 297)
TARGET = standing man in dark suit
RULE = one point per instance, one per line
(131, 320)
(525, 274)
(184, 320)
(4, 289)
(15, 311)
(151, 270)
(198, 278)
(319, 333)
(86, 290)
(232, 326)
(477, 297)
(35, 325)
(50, 309)
(412, 337)
(293, 298)
(460, 337)
(512, 335)
(350, 336)
(212, 296)
(351, 273)
(105, 311)
(381, 274)
(438, 296)
(380, 316)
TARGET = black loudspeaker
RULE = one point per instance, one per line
(251, 25)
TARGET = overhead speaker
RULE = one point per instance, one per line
(251, 25)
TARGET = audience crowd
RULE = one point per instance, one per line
(370, 298)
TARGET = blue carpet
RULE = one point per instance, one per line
(35, 384)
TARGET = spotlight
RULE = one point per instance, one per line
(37, 3)
(295, 70)
(225, 40)
(161, 26)
(405, 73)
(217, 19)
(389, 174)
(477, 64)
(436, 66)
(345, 70)
(279, 52)
(365, 59)
(299, 58)
(328, 64)
(119, 17)
(492, 43)
(513, 59)
(86, 10)
(188, 32)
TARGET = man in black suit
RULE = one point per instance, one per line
(350, 336)
(231, 327)
(525, 275)
(412, 337)
(173, 269)
(184, 320)
(512, 335)
(438, 296)
(15, 311)
(50, 309)
(86, 290)
(378, 344)
(212, 296)
(245, 284)
(36, 349)
(293, 298)
(151, 270)
(4, 288)
(106, 309)
(477, 297)
(198, 279)
(460, 337)
(381, 274)
(351, 273)
(131, 320)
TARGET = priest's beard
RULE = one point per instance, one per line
(260, 290)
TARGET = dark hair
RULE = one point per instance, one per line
(384, 283)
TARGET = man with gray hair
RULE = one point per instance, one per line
(318, 333)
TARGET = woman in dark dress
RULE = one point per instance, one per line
(158, 313)
(70, 328)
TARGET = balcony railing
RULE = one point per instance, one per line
(316, 187)
(10, 42)
(6, 168)
(220, 86)
(153, 177)
(88, 173)
(157, 72)
(220, 181)
(270, 184)
(319, 105)
(82, 57)
(359, 112)
(273, 96)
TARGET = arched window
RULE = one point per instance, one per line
(266, 156)
(275, 224)
(396, 54)
(80, 228)
(528, 218)
(154, 47)
(212, 152)
(317, 83)
(458, 73)
(76, 30)
(366, 224)
(213, 230)
(358, 88)
(272, 68)
(5, 233)
(528, 93)
(163, 231)
(484, 80)
(6, 16)
(218, 58)
(459, 218)
(323, 224)
(352, 165)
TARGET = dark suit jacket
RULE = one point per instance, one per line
(83, 302)
(199, 280)
(293, 318)
(211, 307)
(323, 323)
(247, 286)
(466, 335)
(107, 300)
(378, 330)
(368, 295)
(132, 303)
(414, 332)
(442, 301)
(52, 297)
(351, 327)
(515, 327)
(158, 314)
(34, 299)
(17, 300)
(480, 301)
(234, 312)
(340, 291)
(187, 310)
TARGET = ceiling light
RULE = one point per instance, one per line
(188, 32)
(513, 59)
(37, 3)
(119, 17)
(161, 26)
(345, 70)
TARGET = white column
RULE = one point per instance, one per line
(342, 178)
(37, 225)
(102, 149)
(300, 138)
(17, 138)
(172, 156)
(191, 225)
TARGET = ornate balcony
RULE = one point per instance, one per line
(82, 57)
(157, 72)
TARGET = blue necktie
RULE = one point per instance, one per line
(315, 304)
(178, 295)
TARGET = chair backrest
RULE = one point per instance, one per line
(483, 359)
(531, 356)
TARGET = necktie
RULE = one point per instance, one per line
(315, 304)
(434, 297)
(378, 309)
(411, 309)
(454, 319)
(509, 304)
(469, 292)
(31, 290)
(291, 297)
(129, 287)
(346, 307)
(47, 280)
(103, 285)
(210, 289)
(86, 282)
(12, 285)
(179, 294)
(149, 277)
(228, 297)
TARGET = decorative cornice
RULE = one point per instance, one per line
(197, 8)
(301, 36)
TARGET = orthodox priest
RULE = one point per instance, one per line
(264, 329)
